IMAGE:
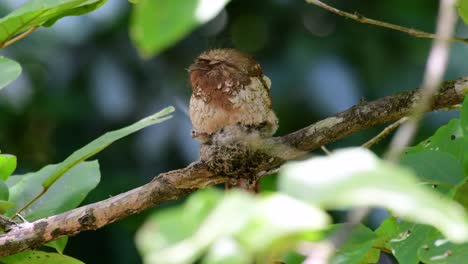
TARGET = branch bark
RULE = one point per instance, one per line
(266, 156)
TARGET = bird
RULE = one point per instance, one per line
(230, 99)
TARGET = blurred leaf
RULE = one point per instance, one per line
(58, 244)
(5, 205)
(160, 230)
(237, 227)
(230, 215)
(356, 178)
(42, 12)
(87, 7)
(38, 257)
(65, 195)
(277, 217)
(102, 142)
(227, 251)
(4, 193)
(9, 70)
(462, 6)
(158, 24)
(438, 169)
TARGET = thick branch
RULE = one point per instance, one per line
(178, 183)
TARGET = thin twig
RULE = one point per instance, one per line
(18, 37)
(384, 133)
(362, 19)
(324, 149)
(434, 72)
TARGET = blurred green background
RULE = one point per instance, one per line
(83, 77)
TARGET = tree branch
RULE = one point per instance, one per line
(268, 155)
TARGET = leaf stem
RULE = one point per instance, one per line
(384, 133)
(18, 37)
(26, 205)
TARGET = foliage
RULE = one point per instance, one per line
(462, 6)
(58, 188)
(154, 28)
(425, 195)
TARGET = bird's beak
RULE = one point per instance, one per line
(195, 67)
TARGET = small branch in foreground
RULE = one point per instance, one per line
(433, 75)
(365, 20)
(179, 183)
(387, 130)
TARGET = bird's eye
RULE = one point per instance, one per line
(214, 62)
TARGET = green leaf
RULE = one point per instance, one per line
(448, 139)
(438, 250)
(65, 195)
(7, 166)
(5, 206)
(4, 192)
(357, 246)
(462, 7)
(461, 194)
(38, 257)
(42, 12)
(437, 169)
(9, 70)
(102, 142)
(156, 25)
(58, 244)
(410, 238)
(356, 177)
(387, 230)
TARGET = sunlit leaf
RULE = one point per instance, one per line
(158, 24)
(38, 257)
(42, 13)
(356, 177)
(462, 6)
(9, 71)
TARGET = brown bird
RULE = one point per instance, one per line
(229, 93)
